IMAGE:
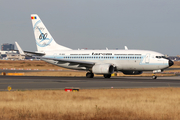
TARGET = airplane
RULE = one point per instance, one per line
(103, 62)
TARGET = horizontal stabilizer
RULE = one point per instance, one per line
(35, 53)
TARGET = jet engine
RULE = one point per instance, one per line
(132, 72)
(103, 69)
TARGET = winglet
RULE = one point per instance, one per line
(19, 48)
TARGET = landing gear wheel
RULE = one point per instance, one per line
(89, 75)
(154, 77)
(107, 75)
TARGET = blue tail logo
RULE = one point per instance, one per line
(43, 39)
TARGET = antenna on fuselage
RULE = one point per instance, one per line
(125, 47)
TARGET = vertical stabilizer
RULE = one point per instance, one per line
(44, 40)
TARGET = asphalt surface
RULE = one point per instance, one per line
(36, 83)
(31, 70)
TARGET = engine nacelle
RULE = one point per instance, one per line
(132, 72)
(103, 69)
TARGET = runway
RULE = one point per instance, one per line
(36, 83)
(13, 70)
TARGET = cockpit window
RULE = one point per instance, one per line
(160, 57)
(157, 56)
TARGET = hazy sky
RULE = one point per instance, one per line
(95, 24)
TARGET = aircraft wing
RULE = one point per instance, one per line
(19, 48)
(71, 62)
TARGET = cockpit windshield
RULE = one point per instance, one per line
(160, 57)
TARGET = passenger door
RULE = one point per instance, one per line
(55, 55)
(147, 58)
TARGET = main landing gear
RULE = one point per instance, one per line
(107, 75)
(89, 75)
(154, 76)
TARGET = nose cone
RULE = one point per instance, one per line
(171, 63)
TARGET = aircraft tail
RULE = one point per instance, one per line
(44, 40)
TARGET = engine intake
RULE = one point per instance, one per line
(103, 69)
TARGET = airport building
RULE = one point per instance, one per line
(3, 54)
(7, 47)
(15, 56)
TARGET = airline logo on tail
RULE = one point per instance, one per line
(41, 34)
(44, 40)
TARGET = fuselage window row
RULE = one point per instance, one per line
(68, 57)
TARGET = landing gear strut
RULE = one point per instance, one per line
(107, 75)
(89, 75)
(154, 77)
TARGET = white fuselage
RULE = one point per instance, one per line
(141, 60)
